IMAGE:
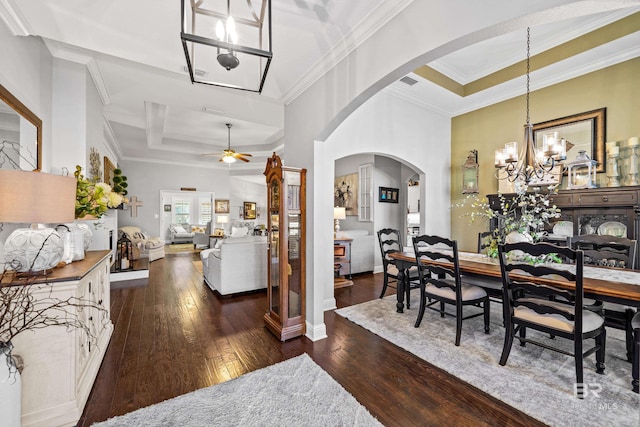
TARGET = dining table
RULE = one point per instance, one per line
(616, 285)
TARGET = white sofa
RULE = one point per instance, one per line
(363, 246)
(237, 264)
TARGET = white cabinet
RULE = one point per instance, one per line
(61, 364)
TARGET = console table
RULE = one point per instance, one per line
(342, 262)
(61, 364)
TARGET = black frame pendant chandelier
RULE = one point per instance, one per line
(228, 47)
(530, 165)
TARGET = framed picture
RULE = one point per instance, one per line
(388, 195)
(218, 232)
(167, 208)
(249, 210)
(222, 206)
(345, 193)
(108, 171)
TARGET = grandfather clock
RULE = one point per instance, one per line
(286, 249)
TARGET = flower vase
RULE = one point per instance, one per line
(10, 388)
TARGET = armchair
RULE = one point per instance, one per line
(143, 245)
(201, 236)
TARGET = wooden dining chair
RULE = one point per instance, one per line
(442, 283)
(555, 310)
(610, 251)
(390, 241)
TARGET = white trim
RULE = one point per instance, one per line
(14, 20)
(318, 333)
(369, 26)
(129, 275)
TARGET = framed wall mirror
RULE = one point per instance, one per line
(583, 131)
(249, 210)
(20, 135)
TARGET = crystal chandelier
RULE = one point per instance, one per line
(530, 165)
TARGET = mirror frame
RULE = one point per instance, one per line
(598, 130)
(249, 210)
(21, 109)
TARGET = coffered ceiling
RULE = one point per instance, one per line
(153, 113)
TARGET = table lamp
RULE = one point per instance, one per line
(338, 214)
(222, 219)
(35, 197)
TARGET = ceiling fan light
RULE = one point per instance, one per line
(228, 159)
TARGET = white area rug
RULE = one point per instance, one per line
(296, 392)
(536, 381)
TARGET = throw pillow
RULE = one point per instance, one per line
(239, 231)
(178, 228)
(197, 229)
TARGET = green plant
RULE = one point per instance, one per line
(93, 198)
(120, 182)
(527, 212)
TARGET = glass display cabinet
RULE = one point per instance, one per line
(286, 249)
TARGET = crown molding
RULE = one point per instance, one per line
(358, 35)
(416, 100)
(110, 138)
(13, 19)
(62, 51)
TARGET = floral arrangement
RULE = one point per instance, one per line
(93, 199)
(526, 213)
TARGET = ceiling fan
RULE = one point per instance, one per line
(229, 155)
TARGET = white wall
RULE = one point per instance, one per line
(392, 129)
(245, 191)
(147, 179)
(347, 166)
(317, 112)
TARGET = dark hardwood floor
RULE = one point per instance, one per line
(174, 335)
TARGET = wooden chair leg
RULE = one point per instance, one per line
(635, 371)
(423, 304)
(628, 317)
(579, 358)
(441, 308)
(523, 335)
(601, 342)
(458, 325)
(384, 285)
(508, 342)
(486, 306)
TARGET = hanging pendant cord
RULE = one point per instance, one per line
(528, 69)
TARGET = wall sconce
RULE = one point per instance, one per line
(470, 170)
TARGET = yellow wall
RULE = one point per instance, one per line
(487, 129)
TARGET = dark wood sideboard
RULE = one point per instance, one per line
(588, 209)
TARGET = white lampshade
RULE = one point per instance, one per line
(35, 197)
(222, 219)
(339, 213)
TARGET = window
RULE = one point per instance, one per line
(182, 211)
(365, 195)
(205, 210)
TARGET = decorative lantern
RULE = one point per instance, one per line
(470, 173)
(582, 172)
(124, 254)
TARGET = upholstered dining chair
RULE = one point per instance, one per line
(557, 310)
(390, 242)
(610, 251)
(442, 283)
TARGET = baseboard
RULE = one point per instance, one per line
(129, 275)
(329, 304)
(317, 332)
